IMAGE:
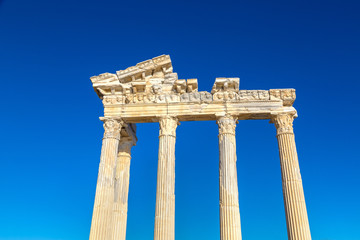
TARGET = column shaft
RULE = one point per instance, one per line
(230, 227)
(122, 177)
(165, 194)
(103, 207)
(294, 199)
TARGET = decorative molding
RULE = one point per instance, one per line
(251, 95)
(198, 97)
(226, 124)
(283, 123)
(168, 125)
(288, 96)
(153, 81)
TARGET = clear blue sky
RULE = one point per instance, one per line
(51, 135)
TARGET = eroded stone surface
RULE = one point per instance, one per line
(151, 92)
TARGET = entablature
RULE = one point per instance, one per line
(151, 89)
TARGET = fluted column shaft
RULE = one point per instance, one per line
(165, 194)
(230, 227)
(122, 177)
(101, 224)
(294, 200)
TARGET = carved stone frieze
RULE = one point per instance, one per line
(251, 95)
(288, 96)
(112, 128)
(157, 96)
(198, 97)
(153, 81)
(283, 123)
(226, 96)
(114, 99)
(168, 125)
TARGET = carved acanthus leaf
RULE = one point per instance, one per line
(227, 125)
(283, 123)
(168, 125)
(112, 128)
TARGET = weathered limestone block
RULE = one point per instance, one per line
(264, 94)
(254, 95)
(196, 97)
(190, 97)
(294, 199)
(230, 227)
(225, 89)
(226, 96)
(114, 100)
(158, 66)
(180, 86)
(105, 84)
(101, 224)
(172, 98)
(192, 85)
(138, 86)
(105, 79)
(226, 85)
(165, 194)
(161, 98)
(206, 97)
(288, 96)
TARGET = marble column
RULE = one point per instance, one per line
(101, 224)
(122, 177)
(295, 207)
(165, 194)
(230, 227)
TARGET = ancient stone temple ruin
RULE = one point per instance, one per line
(151, 92)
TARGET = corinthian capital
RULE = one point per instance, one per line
(283, 123)
(227, 125)
(168, 125)
(112, 128)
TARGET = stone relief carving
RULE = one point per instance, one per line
(249, 95)
(226, 89)
(226, 96)
(288, 96)
(157, 96)
(153, 81)
(196, 97)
